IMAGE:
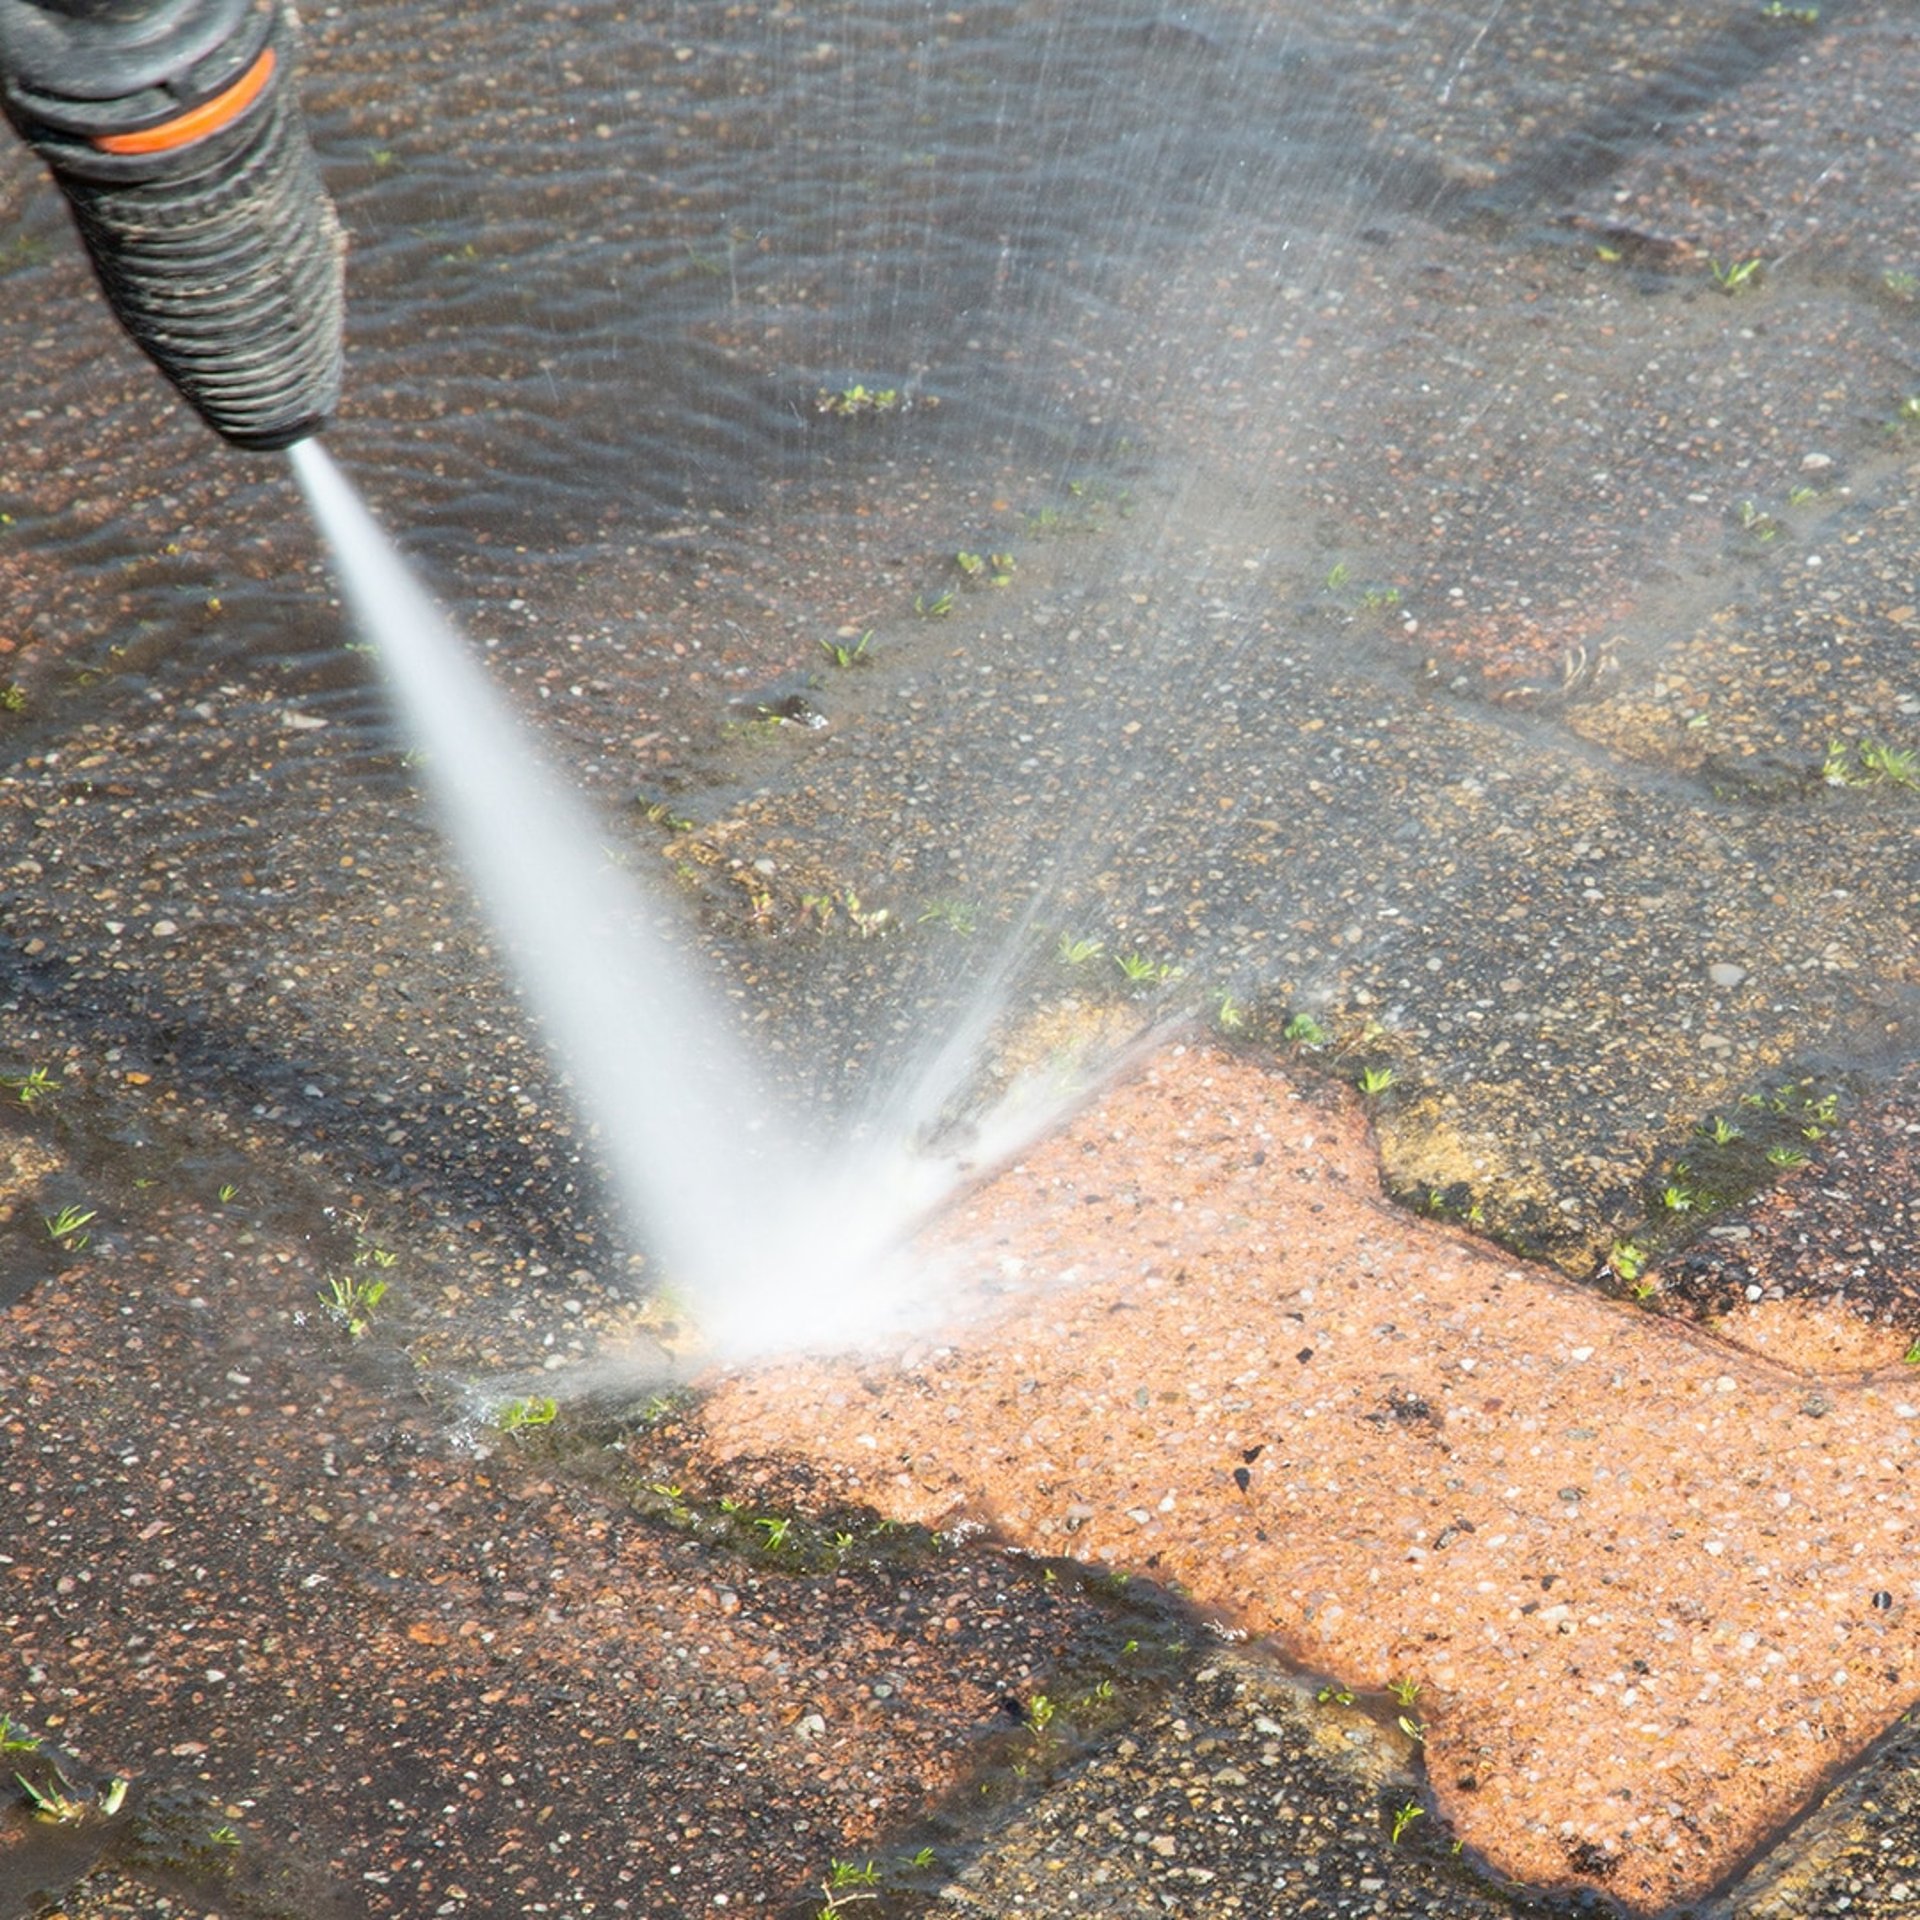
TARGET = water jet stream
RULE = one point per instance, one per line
(774, 1242)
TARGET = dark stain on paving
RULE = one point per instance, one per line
(1648, 109)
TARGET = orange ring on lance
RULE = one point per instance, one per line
(197, 122)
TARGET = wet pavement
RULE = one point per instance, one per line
(1639, 1593)
(1460, 613)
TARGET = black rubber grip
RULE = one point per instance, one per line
(224, 260)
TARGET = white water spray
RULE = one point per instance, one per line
(774, 1247)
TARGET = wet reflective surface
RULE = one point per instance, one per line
(1292, 504)
(1424, 579)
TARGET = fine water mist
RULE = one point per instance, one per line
(1164, 303)
(774, 1238)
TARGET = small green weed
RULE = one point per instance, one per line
(33, 1085)
(660, 813)
(1895, 766)
(934, 606)
(859, 403)
(14, 1738)
(1733, 1155)
(1040, 1712)
(1338, 575)
(1092, 502)
(1798, 16)
(1305, 1031)
(222, 1836)
(986, 569)
(1456, 1203)
(13, 697)
(1911, 1357)
(1076, 952)
(1405, 1692)
(776, 1528)
(352, 1299)
(1374, 1081)
(1404, 1817)
(229, 1194)
(53, 1799)
(849, 653)
(678, 1512)
(1228, 1014)
(868, 922)
(67, 1228)
(519, 1416)
(1813, 1114)
(1900, 282)
(957, 916)
(1869, 763)
(1335, 1696)
(715, 262)
(1734, 276)
(1141, 971)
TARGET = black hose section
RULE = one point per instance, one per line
(110, 10)
(92, 67)
(225, 262)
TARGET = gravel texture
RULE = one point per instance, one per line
(1446, 603)
(1647, 1591)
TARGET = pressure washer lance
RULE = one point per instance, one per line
(172, 128)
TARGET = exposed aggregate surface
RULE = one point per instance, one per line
(1438, 607)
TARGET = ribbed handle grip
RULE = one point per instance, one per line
(225, 261)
